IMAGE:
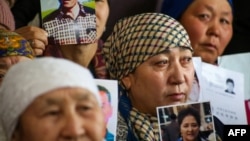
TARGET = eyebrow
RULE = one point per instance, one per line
(211, 9)
(80, 97)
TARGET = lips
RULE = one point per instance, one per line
(177, 96)
(209, 45)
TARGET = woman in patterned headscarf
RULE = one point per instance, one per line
(13, 49)
(151, 56)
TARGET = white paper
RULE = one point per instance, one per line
(229, 108)
(195, 94)
(240, 63)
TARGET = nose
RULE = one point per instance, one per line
(189, 128)
(214, 28)
(177, 74)
(73, 126)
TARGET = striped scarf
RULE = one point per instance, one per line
(145, 126)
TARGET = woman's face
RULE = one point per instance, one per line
(62, 114)
(189, 128)
(209, 25)
(102, 13)
(163, 79)
(7, 62)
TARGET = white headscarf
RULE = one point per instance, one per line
(27, 80)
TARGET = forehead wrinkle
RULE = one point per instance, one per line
(83, 96)
(77, 96)
(211, 9)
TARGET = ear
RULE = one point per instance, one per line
(126, 81)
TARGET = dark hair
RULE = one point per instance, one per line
(189, 111)
(102, 88)
(173, 116)
(229, 80)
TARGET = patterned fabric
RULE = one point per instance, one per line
(122, 129)
(63, 30)
(98, 63)
(137, 38)
(12, 44)
(131, 122)
(145, 126)
(175, 8)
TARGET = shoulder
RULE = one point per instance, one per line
(51, 16)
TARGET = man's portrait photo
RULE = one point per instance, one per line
(107, 109)
(229, 86)
(69, 21)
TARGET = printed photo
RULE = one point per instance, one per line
(108, 90)
(176, 121)
(230, 86)
(69, 21)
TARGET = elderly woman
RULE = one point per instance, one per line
(151, 56)
(208, 23)
(56, 97)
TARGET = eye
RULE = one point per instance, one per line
(185, 125)
(194, 125)
(162, 63)
(84, 108)
(52, 113)
(203, 17)
(186, 60)
(224, 21)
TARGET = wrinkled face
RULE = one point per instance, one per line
(7, 62)
(102, 13)
(106, 106)
(209, 25)
(68, 3)
(189, 128)
(163, 79)
(62, 114)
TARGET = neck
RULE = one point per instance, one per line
(81, 54)
(73, 12)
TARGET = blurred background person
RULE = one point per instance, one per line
(209, 24)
